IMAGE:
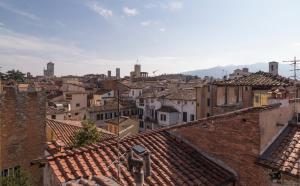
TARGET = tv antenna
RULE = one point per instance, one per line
(294, 76)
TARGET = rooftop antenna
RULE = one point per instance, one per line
(119, 155)
(294, 63)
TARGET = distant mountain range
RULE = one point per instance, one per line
(220, 71)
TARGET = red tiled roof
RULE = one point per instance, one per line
(53, 110)
(284, 153)
(66, 130)
(183, 94)
(258, 79)
(173, 162)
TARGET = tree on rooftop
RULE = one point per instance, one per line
(87, 135)
(2, 76)
(15, 75)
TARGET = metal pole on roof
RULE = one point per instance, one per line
(118, 140)
(294, 63)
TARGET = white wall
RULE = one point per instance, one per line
(171, 118)
(183, 106)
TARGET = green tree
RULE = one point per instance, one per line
(87, 135)
(19, 178)
(15, 75)
(2, 76)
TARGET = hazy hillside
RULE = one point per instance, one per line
(219, 71)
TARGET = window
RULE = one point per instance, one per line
(184, 117)
(208, 102)
(140, 93)
(4, 173)
(77, 104)
(108, 94)
(141, 124)
(257, 99)
(116, 114)
(207, 114)
(14, 171)
(106, 115)
(110, 115)
(185, 102)
(192, 117)
(68, 97)
(76, 114)
(163, 117)
(53, 116)
(246, 88)
(132, 92)
(98, 116)
(178, 102)
(141, 102)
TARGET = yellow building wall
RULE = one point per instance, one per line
(260, 98)
(50, 135)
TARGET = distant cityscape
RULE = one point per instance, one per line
(149, 93)
(170, 129)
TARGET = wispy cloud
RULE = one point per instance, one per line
(173, 5)
(130, 11)
(150, 5)
(17, 49)
(162, 29)
(1, 24)
(60, 23)
(18, 11)
(96, 7)
(148, 23)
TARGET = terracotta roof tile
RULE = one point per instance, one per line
(284, 153)
(65, 131)
(183, 94)
(173, 162)
(257, 79)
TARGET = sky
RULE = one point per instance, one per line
(166, 36)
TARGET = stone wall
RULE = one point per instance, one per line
(50, 179)
(22, 130)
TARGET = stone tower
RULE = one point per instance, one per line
(273, 68)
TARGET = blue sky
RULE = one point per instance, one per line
(93, 36)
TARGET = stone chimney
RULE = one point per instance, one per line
(140, 166)
(273, 68)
